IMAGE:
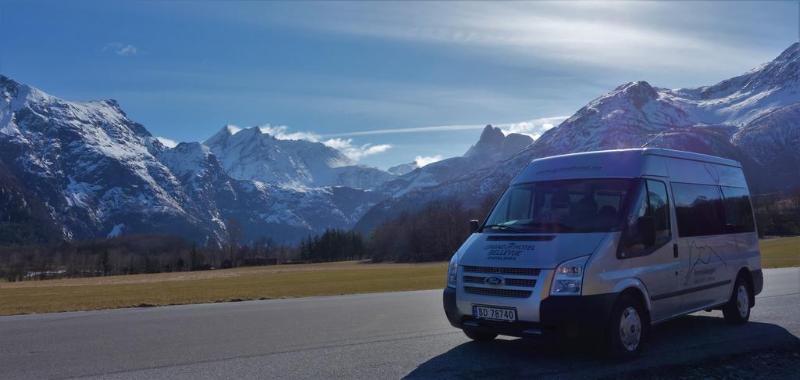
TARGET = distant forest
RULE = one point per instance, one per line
(430, 234)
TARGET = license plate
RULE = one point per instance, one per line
(494, 313)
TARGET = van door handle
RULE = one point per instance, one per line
(674, 250)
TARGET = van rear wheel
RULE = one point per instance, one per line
(737, 310)
(479, 336)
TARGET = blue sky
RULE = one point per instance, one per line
(377, 76)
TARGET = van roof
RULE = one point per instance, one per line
(630, 163)
(672, 153)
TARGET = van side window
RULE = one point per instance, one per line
(648, 226)
(659, 206)
(698, 209)
(738, 213)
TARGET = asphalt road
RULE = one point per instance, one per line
(386, 335)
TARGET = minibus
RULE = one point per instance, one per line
(606, 244)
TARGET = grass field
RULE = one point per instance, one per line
(251, 283)
(268, 282)
(780, 252)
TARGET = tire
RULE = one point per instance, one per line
(737, 310)
(627, 327)
(480, 336)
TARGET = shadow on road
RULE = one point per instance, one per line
(690, 339)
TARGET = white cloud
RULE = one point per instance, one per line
(120, 49)
(127, 50)
(232, 129)
(533, 128)
(356, 152)
(437, 128)
(338, 143)
(601, 34)
(426, 160)
(346, 146)
(281, 132)
(169, 143)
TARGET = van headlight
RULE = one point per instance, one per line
(452, 272)
(568, 279)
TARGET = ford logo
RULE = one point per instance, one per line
(494, 280)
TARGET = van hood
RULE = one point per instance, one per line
(526, 250)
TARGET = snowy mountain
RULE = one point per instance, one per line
(492, 147)
(77, 170)
(495, 145)
(89, 164)
(89, 171)
(255, 154)
(260, 209)
(752, 118)
(23, 218)
(403, 168)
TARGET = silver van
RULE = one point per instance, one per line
(607, 244)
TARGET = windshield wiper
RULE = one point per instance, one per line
(549, 227)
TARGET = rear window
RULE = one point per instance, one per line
(698, 209)
(738, 213)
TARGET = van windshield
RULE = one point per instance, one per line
(568, 206)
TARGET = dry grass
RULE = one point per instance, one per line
(216, 286)
(279, 281)
(780, 252)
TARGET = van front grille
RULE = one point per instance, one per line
(524, 282)
(474, 279)
(521, 282)
(500, 270)
(512, 293)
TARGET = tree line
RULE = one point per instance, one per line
(777, 214)
(131, 254)
(333, 245)
(431, 233)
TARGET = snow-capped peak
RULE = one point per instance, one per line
(263, 154)
(222, 136)
(639, 93)
(496, 144)
(86, 160)
(231, 129)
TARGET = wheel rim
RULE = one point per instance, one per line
(742, 301)
(630, 328)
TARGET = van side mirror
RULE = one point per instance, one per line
(646, 227)
(474, 226)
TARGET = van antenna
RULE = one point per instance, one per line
(652, 139)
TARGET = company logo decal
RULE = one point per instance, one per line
(494, 280)
(507, 251)
(703, 269)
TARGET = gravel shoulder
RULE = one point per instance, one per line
(776, 363)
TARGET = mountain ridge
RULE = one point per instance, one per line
(253, 154)
(85, 170)
(751, 118)
(100, 174)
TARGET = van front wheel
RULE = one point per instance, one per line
(627, 327)
(479, 336)
(737, 310)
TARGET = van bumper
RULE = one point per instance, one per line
(570, 316)
(758, 280)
